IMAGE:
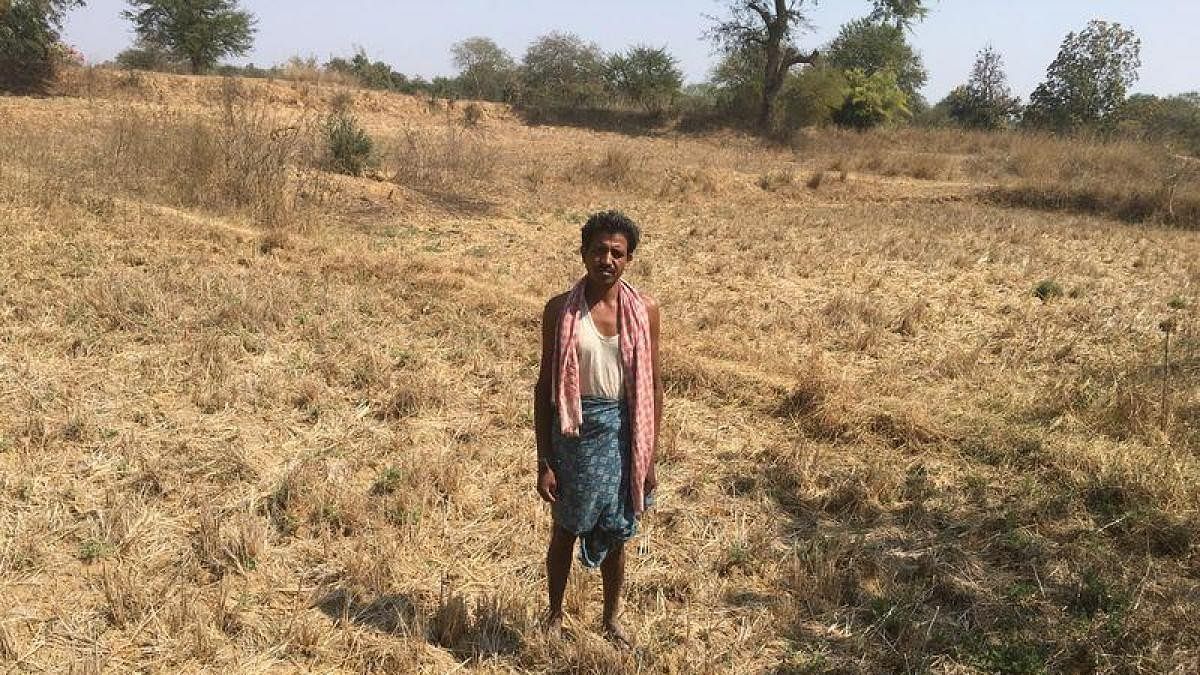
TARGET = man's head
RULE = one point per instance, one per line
(609, 239)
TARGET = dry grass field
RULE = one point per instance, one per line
(255, 416)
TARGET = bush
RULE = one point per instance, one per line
(29, 48)
(1047, 289)
(871, 100)
(442, 160)
(349, 147)
(561, 71)
(485, 71)
(811, 97)
(647, 77)
(142, 56)
(1173, 119)
(472, 114)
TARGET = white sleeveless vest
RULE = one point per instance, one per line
(600, 370)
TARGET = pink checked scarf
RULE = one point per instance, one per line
(639, 377)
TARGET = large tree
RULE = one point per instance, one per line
(485, 70)
(873, 46)
(771, 27)
(562, 71)
(196, 31)
(1086, 83)
(29, 31)
(646, 76)
(986, 101)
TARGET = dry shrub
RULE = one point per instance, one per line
(828, 408)
(910, 320)
(127, 597)
(123, 299)
(500, 622)
(776, 180)
(451, 620)
(442, 158)
(901, 423)
(272, 240)
(919, 165)
(114, 529)
(814, 181)
(860, 492)
(303, 636)
(617, 167)
(20, 554)
(244, 163)
(1130, 180)
(311, 499)
(845, 310)
(823, 574)
(221, 546)
(818, 403)
(534, 175)
(959, 361)
(1120, 400)
(308, 70)
(679, 182)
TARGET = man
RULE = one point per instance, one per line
(597, 408)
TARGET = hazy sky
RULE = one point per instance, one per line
(415, 36)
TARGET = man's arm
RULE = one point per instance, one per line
(543, 411)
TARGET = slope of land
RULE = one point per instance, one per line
(261, 417)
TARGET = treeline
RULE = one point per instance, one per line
(869, 75)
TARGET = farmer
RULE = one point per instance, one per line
(597, 408)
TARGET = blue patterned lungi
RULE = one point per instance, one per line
(593, 479)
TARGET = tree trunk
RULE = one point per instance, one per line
(197, 65)
(771, 79)
(772, 83)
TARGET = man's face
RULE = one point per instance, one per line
(605, 258)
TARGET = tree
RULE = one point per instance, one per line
(485, 71)
(1086, 83)
(29, 34)
(811, 97)
(770, 26)
(986, 101)
(737, 79)
(872, 45)
(196, 31)
(1172, 119)
(560, 70)
(871, 100)
(142, 56)
(647, 76)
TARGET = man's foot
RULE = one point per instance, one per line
(554, 623)
(616, 635)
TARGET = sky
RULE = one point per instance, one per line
(415, 36)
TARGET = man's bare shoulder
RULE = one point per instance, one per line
(651, 304)
(554, 305)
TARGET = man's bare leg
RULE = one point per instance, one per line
(558, 569)
(612, 570)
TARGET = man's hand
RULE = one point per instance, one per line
(547, 484)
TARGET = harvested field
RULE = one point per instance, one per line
(261, 417)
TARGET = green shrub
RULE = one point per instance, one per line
(811, 97)
(349, 147)
(1047, 289)
(29, 46)
(871, 100)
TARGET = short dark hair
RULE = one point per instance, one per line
(610, 222)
